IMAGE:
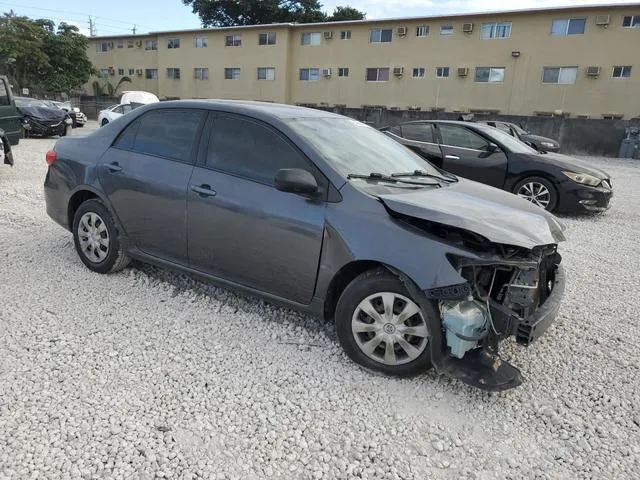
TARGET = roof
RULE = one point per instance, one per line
(374, 21)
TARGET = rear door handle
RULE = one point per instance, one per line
(114, 167)
(452, 157)
(203, 190)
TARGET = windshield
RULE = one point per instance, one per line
(518, 130)
(352, 147)
(29, 102)
(510, 143)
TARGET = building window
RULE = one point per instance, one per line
(560, 75)
(173, 73)
(380, 35)
(120, 43)
(309, 74)
(201, 73)
(266, 73)
(568, 26)
(103, 73)
(151, 73)
(202, 42)
(132, 71)
(446, 30)
(345, 35)
(233, 40)
(151, 45)
(495, 30)
(631, 21)
(267, 38)
(422, 31)
(418, 72)
(442, 72)
(130, 43)
(311, 38)
(121, 71)
(622, 72)
(173, 43)
(343, 72)
(378, 74)
(233, 73)
(489, 74)
(102, 47)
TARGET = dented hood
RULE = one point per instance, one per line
(499, 216)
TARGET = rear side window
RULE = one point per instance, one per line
(455, 136)
(128, 136)
(4, 94)
(418, 132)
(168, 133)
(251, 150)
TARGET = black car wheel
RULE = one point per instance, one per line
(539, 191)
(380, 327)
(104, 122)
(97, 239)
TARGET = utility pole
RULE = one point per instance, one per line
(92, 27)
(133, 30)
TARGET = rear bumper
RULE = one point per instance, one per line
(56, 201)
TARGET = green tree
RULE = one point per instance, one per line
(70, 67)
(341, 14)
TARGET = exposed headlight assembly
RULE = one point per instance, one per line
(583, 178)
(547, 144)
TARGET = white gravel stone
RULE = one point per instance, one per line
(148, 373)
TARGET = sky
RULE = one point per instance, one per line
(120, 16)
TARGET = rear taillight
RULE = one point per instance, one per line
(51, 157)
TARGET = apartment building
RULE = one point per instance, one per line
(580, 61)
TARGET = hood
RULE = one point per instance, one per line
(43, 113)
(573, 164)
(138, 97)
(499, 216)
(539, 139)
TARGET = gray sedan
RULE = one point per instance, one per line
(416, 267)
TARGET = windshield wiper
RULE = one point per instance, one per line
(422, 173)
(386, 178)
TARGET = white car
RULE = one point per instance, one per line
(111, 113)
(129, 100)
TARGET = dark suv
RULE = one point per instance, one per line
(10, 126)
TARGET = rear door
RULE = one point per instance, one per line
(470, 155)
(420, 137)
(9, 116)
(145, 176)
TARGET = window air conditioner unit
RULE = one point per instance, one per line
(398, 71)
(593, 71)
(110, 45)
(603, 20)
(139, 43)
(328, 35)
(402, 31)
(139, 71)
(326, 72)
(467, 27)
(463, 71)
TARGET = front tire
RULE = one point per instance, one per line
(381, 328)
(104, 122)
(97, 239)
(539, 191)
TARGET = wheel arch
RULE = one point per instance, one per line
(82, 194)
(513, 181)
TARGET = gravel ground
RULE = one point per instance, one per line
(148, 373)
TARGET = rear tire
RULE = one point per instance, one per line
(539, 191)
(97, 239)
(381, 328)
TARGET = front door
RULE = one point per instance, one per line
(470, 155)
(240, 227)
(145, 176)
(9, 116)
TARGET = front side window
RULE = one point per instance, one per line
(267, 38)
(568, 26)
(418, 132)
(622, 71)
(631, 21)
(380, 35)
(345, 35)
(250, 150)
(343, 72)
(201, 73)
(233, 40)
(489, 75)
(378, 74)
(201, 42)
(442, 72)
(151, 45)
(560, 75)
(102, 47)
(456, 136)
(309, 74)
(151, 73)
(173, 73)
(422, 31)
(168, 133)
(495, 30)
(4, 93)
(418, 72)
(233, 73)
(266, 73)
(446, 30)
(173, 43)
(311, 38)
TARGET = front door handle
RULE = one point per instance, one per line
(203, 190)
(114, 167)
(452, 157)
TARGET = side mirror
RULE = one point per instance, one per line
(492, 148)
(295, 180)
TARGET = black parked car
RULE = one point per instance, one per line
(40, 119)
(488, 155)
(316, 211)
(78, 119)
(542, 144)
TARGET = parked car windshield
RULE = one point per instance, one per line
(353, 147)
(29, 102)
(518, 130)
(510, 143)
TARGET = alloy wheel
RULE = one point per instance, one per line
(535, 193)
(389, 328)
(94, 237)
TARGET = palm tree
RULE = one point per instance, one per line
(108, 89)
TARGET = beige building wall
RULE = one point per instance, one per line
(521, 92)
